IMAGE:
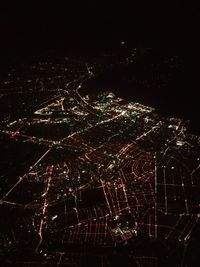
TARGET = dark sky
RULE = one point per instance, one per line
(51, 24)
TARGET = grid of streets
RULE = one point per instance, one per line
(95, 169)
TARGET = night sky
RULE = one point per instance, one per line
(52, 24)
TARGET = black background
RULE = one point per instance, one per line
(53, 24)
(170, 27)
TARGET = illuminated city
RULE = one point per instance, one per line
(93, 170)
